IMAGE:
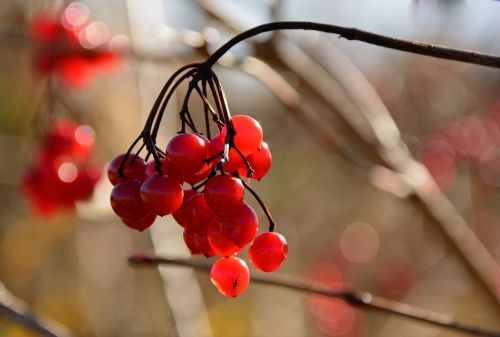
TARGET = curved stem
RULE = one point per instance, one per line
(272, 224)
(359, 299)
(167, 99)
(156, 105)
(361, 35)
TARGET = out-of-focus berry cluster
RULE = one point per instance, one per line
(62, 172)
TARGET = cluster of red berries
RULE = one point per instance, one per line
(62, 172)
(71, 46)
(216, 221)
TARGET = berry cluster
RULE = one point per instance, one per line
(62, 172)
(71, 46)
(197, 179)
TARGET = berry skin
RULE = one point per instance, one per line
(199, 214)
(141, 224)
(230, 276)
(224, 194)
(161, 195)
(134, 168)
(126, 201)
(182, 215)
(267, 251)
(249, 133)
(260, 161)
(216, 146)
(229, 235)
(186, 154)
(197, 243)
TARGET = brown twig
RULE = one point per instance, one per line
(360, 299)
(414, 47)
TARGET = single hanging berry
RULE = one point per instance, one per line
(249, 133)
(161, 195)
(260, 161)
(134, 169)
(186, 154)
(267, 251)
(126, 201)
(230, 276)
(224, 194)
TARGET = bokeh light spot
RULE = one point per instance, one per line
(67, 172)
(359, 242)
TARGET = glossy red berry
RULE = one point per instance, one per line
(224, 194)
(230, 276)
(267, 251)
(161, 195)
(197, 243)
(182, 214)
(231, 234)
(260, 161)
(200, 215)
(216, 147)
(186, 154)
(126, 201)
(141, 224)
(134, 169)
(249, 133)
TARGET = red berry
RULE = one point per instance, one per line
(141, 224)
(229, 235)
(134, 169)
(267, 251)
(200, 215)
(260, 162)
(224, 194)
(186, 154)
(230, 276)
(182, 214)
(249, 133)
(126, 201)
(161, 195)
(216, 147)
(197, 243)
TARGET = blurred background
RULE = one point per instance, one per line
(335, 114)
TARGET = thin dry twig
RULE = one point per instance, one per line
(361, 299)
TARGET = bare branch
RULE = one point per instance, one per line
(360, 299)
